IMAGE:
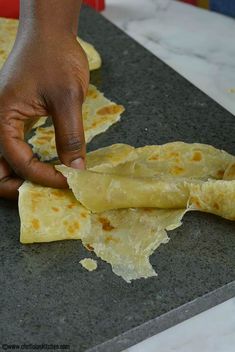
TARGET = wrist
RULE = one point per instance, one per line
(49, 17)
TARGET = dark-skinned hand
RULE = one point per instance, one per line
(45, 74)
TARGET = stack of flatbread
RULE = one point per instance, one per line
(123, 204)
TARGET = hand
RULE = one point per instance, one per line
(44, 75)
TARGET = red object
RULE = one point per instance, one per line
(98, 5)
(9, 8)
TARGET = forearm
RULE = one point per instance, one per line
(50, 16)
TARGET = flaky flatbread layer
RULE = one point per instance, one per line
(171, 176)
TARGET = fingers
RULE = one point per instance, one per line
(9, 187)
(8, 183)
(67, 119)
(19, 156)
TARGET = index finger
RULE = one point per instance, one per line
(20, 157)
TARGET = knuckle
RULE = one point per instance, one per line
(24, 169)
(69, 93)
(70, 142)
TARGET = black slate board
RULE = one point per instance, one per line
(47, 297)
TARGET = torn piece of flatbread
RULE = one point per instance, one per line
(89, 264)
(127, 238)
(49, 214)
(156, 176)
(99, 113)
(8, 30)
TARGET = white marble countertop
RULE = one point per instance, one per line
(197, 43)
(200, 45)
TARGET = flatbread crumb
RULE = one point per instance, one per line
(89, 264)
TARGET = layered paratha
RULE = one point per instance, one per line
(138, 194)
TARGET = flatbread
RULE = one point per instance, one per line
(40, 122)
(166, 177)
(198, 176)
(49, 214)
(216, 197)
(8, 30)
(99, 113)
(176, 159)
(118, 192)
(94, 58)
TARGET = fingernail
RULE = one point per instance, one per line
(78, 164)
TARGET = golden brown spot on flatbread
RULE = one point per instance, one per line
(177, 170)
(216, 206)
(58, 193)
(106, 225)
(55, 209)
(148, 209)
(196, 202)
(36, 224)
(154, 157)
(45, 133)
(89, 247)
(231, 173)
(37, 195)
(220, 174)
(110, 110)
(109, 239)
(76, 225)
(173, 154)
(40, 142)
(45, 138)
(84, 215)
(71, 205)
(197, 156)
(71, 230)
(94, 124)
(99, 122)
(92, 93)
(73, 227)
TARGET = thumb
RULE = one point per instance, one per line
(69, 132)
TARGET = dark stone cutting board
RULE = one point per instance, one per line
(47, 297)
